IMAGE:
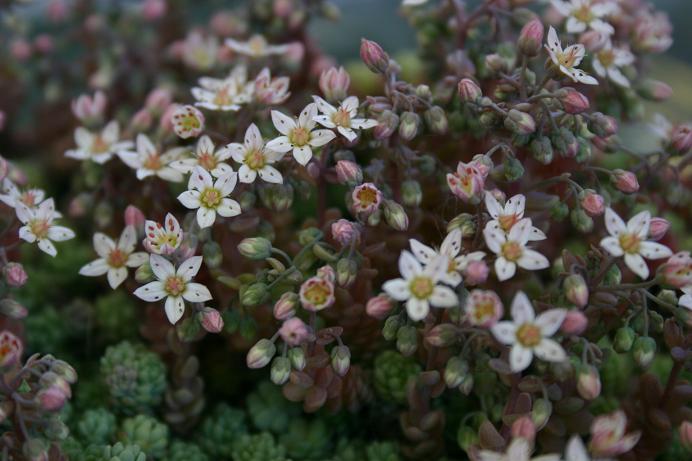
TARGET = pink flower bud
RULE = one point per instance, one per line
(379, 306)
(158, 100)
(573, 101)
(476, 273)
(655, 90)
(188, 121)
(11, 349)
(467, 183)
(260, 354)
(283, 8)
(592, 203)
(345, 232)
(594, 41)
(211, 320)
(294, 331)
(134, 217)
(374, 56)
(524, 428)
(44, 43)
(677, 271)
(658, 228)
(681, 138)
(20, 49)
(530, 40)
(154, 9)
(141, 121)
(52, 398)
(588, 383)
(57, 10)
(89, 108)
(469, 91)
(15, 275)
(686, 435)
(575, 323)
(520, 122)
(285, 307)
(348, 172)
(334, 83)
(625, 181)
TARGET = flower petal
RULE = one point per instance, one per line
(175, 308)
(189, 267)
(228, 208)
(522, 309)
(654, 250)
(103, 244)
(280, 144)
(397, 289)
(205, 217)
(302, 154)
(319, 138)
(422, 252)
(612, 246)
(94, 268)
(189, 199)
(283, 123)
(520, 358)
(639, 224)
(417, 309)
(152, 291)
(116, 276)
(550, 351)
(409, 266)
(532, 260)
(550, 321)
(505, 332)
(271, 174)
(504, 269)
(443, 296)
(636, 264)
(161, 267)
(614, 223)
(196, 293)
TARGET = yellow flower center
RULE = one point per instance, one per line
(484, 310)
(98, 145)
(342, 118)
(583, 14)
(299, 136)
(28, 199)
(207, 160)
(117, 258)
(606, 57)
(39, 227)
(223, 96)
(511, 250)
(317, 293)
(529, 335)
(421, 287)
(174, 285)
(254, 159)
(210, 197)
(257, 44)
(166, 239)
(152, 162)
(568, 59)
(367, 196)
(452, 266)
(629, 243)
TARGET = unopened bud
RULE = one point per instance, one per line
(407, 340)
(592, 203)
(144, 274)
(442, 335)
(254, 294)
(411, 193)
(345, 232)
(464, 222)
(257, 248)
(387, 123)
(15, 275)
(588, 382)
(524, 428)
(603, 125)
(476, 272)
(12, 309)
(408, 125)
(658, 228)
(334, 83)
(495, 63)
(681, 138)
(541, 412)
(520, 122)
(573, 102)
(685, 432)
(581, 221)
(395, 216)
(624, 181)
(346, 272)
(667, 296)
(512, 168)
(379, 306)
(348, 172)
(280, 370)
(134, 217)
(624, 339)
(374, 56)
(341, 360)
(542, 150)
(260, 354)
(530, 40)
(52, 398)
(211, 320)
(391, 327)
(576, 290)
(285, 306)
(455, 371)
(644, 351)
(297, 357)
(469, 91)
(575, 323)
(655, 90)
(436, 119)
(594, 40)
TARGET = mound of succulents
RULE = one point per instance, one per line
(218, 243)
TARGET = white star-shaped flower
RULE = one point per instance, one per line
(99, 147)
(299, 137)
(210, 198)
(609, 60)
(255, 158)
(38, 226)
(114, 259)
(419, 286)
(511, 249)
(630, 241)
(11, 195)
(519, 449)
(174, 285)
(148, 161)
(207, 157)
(342, 118)
(529, 335)
(163, 238)
(450, 248)
(226, 94)
(576, 451)
(686, 299)
(586, 14)
(255, 47)
(568, 59)
(513, 211)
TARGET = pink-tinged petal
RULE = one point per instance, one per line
(417, 309)
(196, 293)
(492, 205)
(409, 266)
(522, 309)
(280, 144)
(189, 199)
(443, 296)
(504, 269)
(161, 267)
(246, 175)
(520, 358)
(639, 224)
(319, 138)
(451, 245)
(189, 268)
(520, 231)
(103, 244)
(271, 174)
(550, 351)
(550, 321)
(653, 250)
(116, 276)
(532, 260)
(614, 223)
(422, 252)
(397, 289)
(347, 133)
(151, 292)
(175, 308)
(253, 138)
(636, 264)
(47, 247)
(494, 236)
(228, 208)
(205, 217)
(283, 123)
(94, 268)
(137, 259)
(324, 106)
(612, 246)
(505, 332)
(302, 154)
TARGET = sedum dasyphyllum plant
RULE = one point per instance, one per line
(469, 263)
